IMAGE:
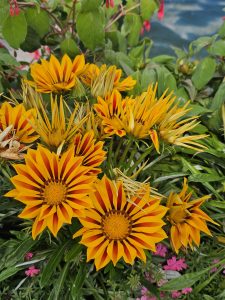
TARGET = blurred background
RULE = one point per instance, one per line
(184, 21)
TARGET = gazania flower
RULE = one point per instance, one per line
(174, 125)
(187, 219)
(116, 228)
(54, 132)
(92, 151)
(53, 76)
(110, 111)
(104, 80)
(53, 188)
(20, 119)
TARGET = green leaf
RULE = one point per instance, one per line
(134, 24)
(90, 28)
(8, 273)
(69, 47)
(215, 203)
(207, 297)
(53, 262)
(148, 8)
(4, 11)
(14, 30)
(87, 5)
(222, 30)
(79, 281)
(73, 252)
(170, 176)
(219, 98)
(197, 110)
(217, 48)
(7, 59)
(183, 281)
(59, 284)
(163, 59)
(32, 41)
(200, 43)
(204, 72)
(38, 20)
(205, 178)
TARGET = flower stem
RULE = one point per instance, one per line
(126, 150)
(140, 159)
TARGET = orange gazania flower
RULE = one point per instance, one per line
(53, 76)
(91, 151)
(53, 188)
(187, 219)
(103, 80)
(116, 228)
(20, 119)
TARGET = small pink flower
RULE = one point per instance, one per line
(32, 271)
(175, 265)
(146, 27)
(161, 250)
(175, 294)
(214, 269)
(110, 3)
(187, 290)
(161, 10)
(28, 255)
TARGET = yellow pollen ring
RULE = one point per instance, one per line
(116, 226)
(54, 193)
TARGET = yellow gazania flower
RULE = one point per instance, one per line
(186, 218)
(116, 228)
(92, 151)
(21, 120)
(53, 76)
(105, 79)
(53, 189)
(110, 111)
(54, 132)
(172, 128)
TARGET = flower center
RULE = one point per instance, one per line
(54, 193)
(178, 214)
(116, 225)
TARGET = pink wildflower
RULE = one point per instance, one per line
(110, 3)
(175, 265)
(146, 27)
(36, 54)
(187, 290)
(28, 255)
(32, 271)
(214, 269)
(161, 10)
(175, 294)
(161, 250)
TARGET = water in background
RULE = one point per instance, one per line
(184, 21)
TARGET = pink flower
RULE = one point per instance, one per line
(187, 290)
(146, 27)
(175, 294)
(110, 3)
(28, 255)
(175, 265)
(214, 269)
(36, 54)
(161, 10)
(32, 271)
(161, 250)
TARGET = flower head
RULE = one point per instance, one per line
(53, 188)
(32, 271)
(116, 228)
(55, 131)
(176, 294)
(161, 10)
(92, 151)
(161, 250)
(186, 218)
(28, 255)
(105, 79)
(53, 76)
(175, 264)
(187, 290)
(20, 119)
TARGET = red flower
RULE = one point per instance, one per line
(14, 8)
(161, 10)
(110, 3)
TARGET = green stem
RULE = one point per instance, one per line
(109, 160)
(140, 159)
(134, 151)
(118, 150)
(126, 150)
